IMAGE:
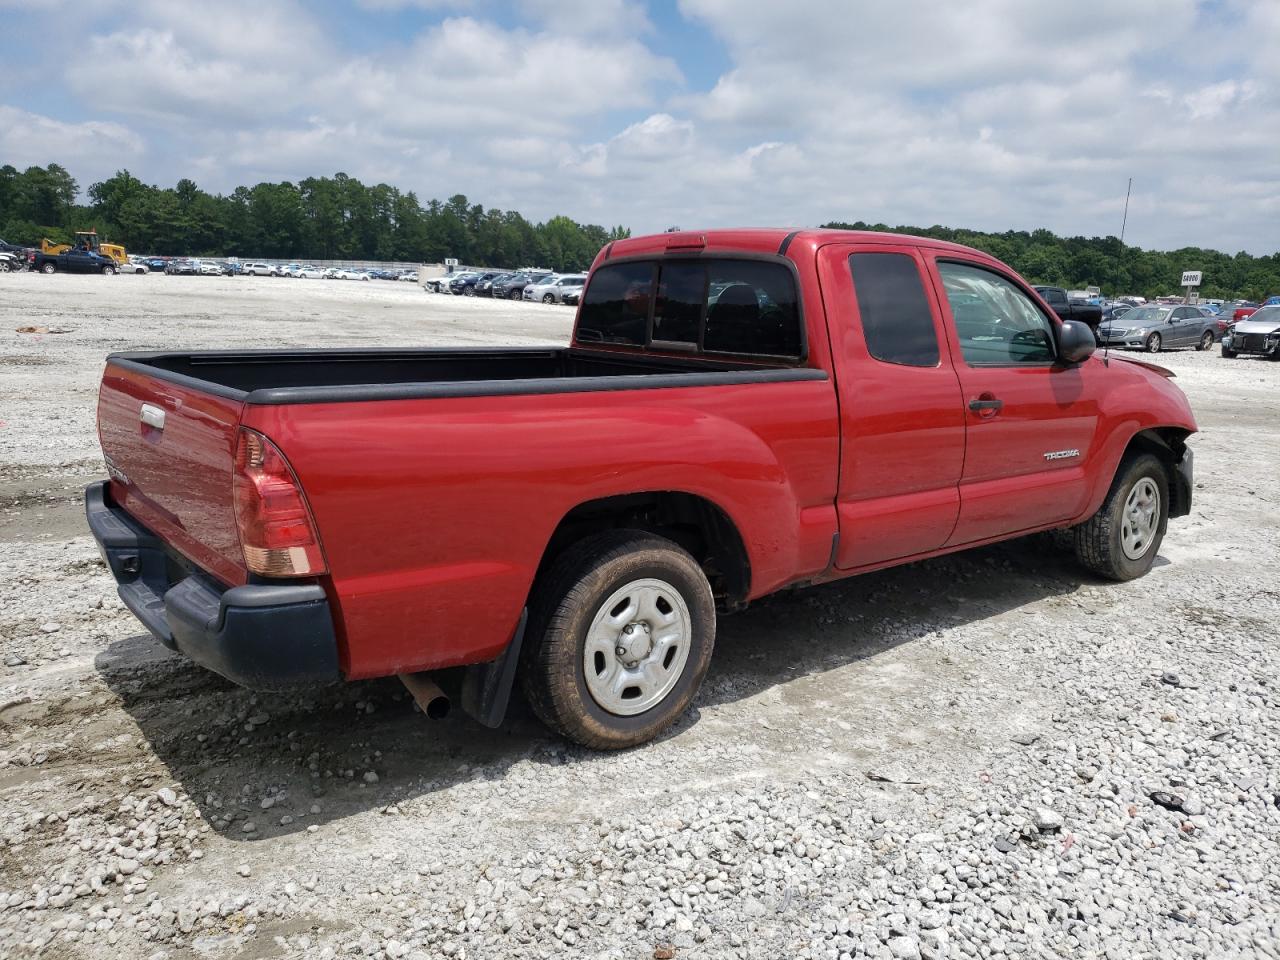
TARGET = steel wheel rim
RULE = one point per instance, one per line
(1140, 518)
(637, 647)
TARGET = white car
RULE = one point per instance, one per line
(258, 270)
(552, 289)
(409, 275)
(310, 273)
(133, 266)
(210, 269)
(342, 273)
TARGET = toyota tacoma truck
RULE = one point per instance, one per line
(737, 412)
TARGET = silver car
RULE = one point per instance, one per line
(1258, 333)
(553, 289)
(1157, 327)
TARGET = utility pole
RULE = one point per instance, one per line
(1125, 221)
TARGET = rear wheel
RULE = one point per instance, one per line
(1153, 343)
(49, 268)
(1121, 540)
(515, 294)
(108, 271)
(469, 291)
(620, 635)
(1206, 340)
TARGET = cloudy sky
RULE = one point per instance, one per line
(991, 114)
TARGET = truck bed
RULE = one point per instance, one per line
(326, 375)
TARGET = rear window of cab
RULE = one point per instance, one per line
(703, 305)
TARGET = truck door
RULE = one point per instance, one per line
(902, 421)
(1031, 420)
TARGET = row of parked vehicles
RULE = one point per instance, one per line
(537, 286)
(1163, 325)
(305, 271)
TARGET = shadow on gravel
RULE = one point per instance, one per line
(264, 765)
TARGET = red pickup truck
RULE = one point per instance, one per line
(738, 411)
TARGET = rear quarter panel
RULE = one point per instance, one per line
(434, 514)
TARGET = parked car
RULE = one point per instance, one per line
(1257, 334)
(755, 457)
(464, 284)
(71, 261)
(551, 289)
(484, 287)
(208, 268)
(260, 270)
(410, 275)
(1113, 311)
(182, 266)
(309, 272)
(438, 284)
(156, 264)
(134, 266)
(571, 296)
(513, 287)
(12, 262)
(1158, 327)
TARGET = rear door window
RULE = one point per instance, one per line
(706, 305)
(896, 320)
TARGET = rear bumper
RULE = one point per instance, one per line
(261, 636)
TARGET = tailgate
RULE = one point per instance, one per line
(169, 451)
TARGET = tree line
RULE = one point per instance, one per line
(340, 218)
(319, 218)
(1117, 268)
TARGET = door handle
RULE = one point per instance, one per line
(985, 404)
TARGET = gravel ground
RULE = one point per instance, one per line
(984, 755)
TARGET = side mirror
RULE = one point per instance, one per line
(1076, 341)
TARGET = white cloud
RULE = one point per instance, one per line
(29, 139)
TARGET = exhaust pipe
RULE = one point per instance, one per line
(433, 701)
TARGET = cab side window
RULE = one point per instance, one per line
(896, 321)
(997, 323)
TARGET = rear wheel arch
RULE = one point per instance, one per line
(698, 525)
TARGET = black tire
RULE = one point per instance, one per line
(1206, 340)
(1098, 540)
(468, 291)
(49, 268)
(108, 271)
(548, 298)
(1153, 344)
(515, 294)
(566, 600)
(1229, 354)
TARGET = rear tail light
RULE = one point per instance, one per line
(277, 534)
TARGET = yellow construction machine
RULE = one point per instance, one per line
(85, 240)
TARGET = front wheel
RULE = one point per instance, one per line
(469, 291)
(1153, 343)
(108, 271)
(1121, 540)
(1206, 340)
(548, 298)
(515, 294)
(620, 636)
(49, 268)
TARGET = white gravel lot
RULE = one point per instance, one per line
(952, 759)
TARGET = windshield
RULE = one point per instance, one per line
(1147, 315)
(1266, 315)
